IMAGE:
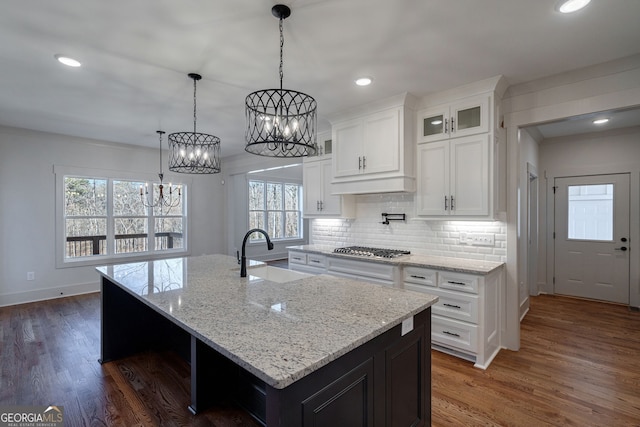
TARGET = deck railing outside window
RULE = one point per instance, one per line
(80, 246)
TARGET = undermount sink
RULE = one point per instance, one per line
(275, 274)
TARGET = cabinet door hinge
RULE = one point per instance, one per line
(554, 189)
(554, 234)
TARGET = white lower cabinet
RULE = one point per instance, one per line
(307, 262)
(465, 320)
(374, 272)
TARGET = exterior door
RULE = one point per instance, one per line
(592, 237)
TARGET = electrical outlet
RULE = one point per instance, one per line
(482, 239)
(31, 275)
(477, 239)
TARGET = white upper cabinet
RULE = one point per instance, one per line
(453, 178)
(318, 200)
(368, 145)
(466, 117)
(325, 146)
(461, 153)
(317, 174)
(373, 148)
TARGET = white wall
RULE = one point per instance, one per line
(528, 158)
(616, 151)
(439, 238)
(27, 209)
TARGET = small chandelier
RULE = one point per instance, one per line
(194, 152)
(280, 122)
(162, 201)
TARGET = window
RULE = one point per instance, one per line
(103, 218)
(590, 212)
(276, 208)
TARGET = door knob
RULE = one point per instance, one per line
(623, 248)
(624, 239)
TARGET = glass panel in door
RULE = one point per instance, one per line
(433, 125)
(590, 213)
(468, 118)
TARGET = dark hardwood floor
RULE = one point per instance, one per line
(579, 365)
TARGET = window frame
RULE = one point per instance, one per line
(61, 172)
(283, 182)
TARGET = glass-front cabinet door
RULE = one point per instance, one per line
(433, 124)
(465, 117)
(470, 116)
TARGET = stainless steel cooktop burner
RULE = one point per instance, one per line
(371, 252)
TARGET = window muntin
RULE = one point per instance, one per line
(276, 208)
(104, 217)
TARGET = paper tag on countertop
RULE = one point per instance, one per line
(407, 326)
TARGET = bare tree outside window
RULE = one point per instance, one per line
(92, 214)
(276, 208)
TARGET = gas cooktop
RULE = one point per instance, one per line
(371, 252)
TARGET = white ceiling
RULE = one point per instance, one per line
(136, 55)
(577, 125)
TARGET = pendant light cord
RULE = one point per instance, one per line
(194, 108)
(281, 52)
(160, 145)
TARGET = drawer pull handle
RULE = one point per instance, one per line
(451, 305)
(297, 259)
(451, 333)
(456, 283)
(316, 261)
(418, 277)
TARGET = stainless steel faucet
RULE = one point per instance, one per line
(243, 261)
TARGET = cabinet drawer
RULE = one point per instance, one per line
(458, 282)
(455, 305)
(363, 270)
(420, 276)
(316, 260)
(453, 333)
(297, 258)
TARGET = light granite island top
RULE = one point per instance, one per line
(279, 332)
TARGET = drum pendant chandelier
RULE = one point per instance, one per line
(280, 122)
(194, 152)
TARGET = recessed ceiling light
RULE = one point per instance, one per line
(600, 121)
(569, 6)
(70, 62)
(364, 81)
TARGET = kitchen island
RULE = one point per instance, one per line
(293, 349)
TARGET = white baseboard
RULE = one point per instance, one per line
(49, 293)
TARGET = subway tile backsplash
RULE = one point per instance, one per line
(441, 238)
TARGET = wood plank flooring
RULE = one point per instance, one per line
(579, 365)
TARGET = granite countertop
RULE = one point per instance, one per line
(461, 265)
(280, 332)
